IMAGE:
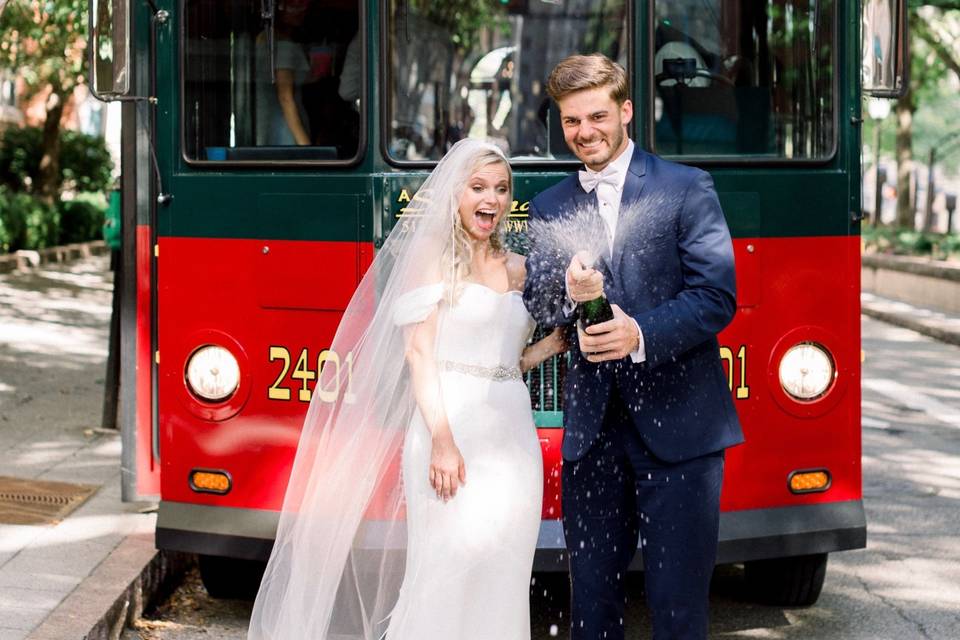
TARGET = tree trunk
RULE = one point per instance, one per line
(49, 178)
(905, 212)
(927, 217)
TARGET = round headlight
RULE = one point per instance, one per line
(806, 371)
(212, 373)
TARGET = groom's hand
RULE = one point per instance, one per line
(583, 283)
(611, 340)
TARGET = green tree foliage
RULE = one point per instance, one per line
(45, 42)
(26, 222)
(930, 92)
(31, 222)
(942, 4)
(922, 117)
(462, 19)
(909, 242)
(936, 58)
(80, 220)
(85, 163)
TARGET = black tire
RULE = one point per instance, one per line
(786, 582)
(229, 577)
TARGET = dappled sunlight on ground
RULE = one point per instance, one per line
(75, 529)
(50, 313)
(54, 328)
(39, 452)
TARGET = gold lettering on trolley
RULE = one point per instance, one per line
(276, 392)
(727, 356)
(327, 387)
(741, 389)
(303, 373)
(329, 395)
(517, 210)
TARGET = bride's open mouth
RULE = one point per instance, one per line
(485, 219)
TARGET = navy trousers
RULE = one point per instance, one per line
(620, 494)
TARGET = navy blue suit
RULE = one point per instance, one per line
(643, 442)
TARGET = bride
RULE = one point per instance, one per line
(414, 501)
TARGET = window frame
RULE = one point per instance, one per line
(356, 159)
(741, 160)
(387, 73)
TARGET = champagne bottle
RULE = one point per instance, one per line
(593, 311)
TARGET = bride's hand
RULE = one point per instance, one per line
(558, 341)
(550, 345)
(447, 470)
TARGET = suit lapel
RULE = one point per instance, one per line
(632, 187)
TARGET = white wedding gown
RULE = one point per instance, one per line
(469, 560)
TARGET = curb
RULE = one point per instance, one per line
(908, 264)
(115, 595)
(29, 259)
(900, 320)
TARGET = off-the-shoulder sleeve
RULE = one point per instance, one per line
(415, 305)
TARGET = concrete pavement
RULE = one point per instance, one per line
(84, 576)
(939, 325)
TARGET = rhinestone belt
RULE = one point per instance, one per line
(498, 373)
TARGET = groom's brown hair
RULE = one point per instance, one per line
(579, 72)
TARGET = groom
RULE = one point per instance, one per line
(648, 413)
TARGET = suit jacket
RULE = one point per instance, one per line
(672, 270)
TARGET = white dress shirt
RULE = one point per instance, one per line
(609, 185)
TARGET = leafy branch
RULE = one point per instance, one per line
(935, 38)
(44, 43)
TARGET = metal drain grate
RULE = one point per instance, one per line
(25, 501)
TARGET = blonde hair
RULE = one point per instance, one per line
(578, 72)
(459, 254)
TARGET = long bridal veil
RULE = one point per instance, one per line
(338, 559)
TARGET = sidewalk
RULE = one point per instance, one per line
(66, 579)
(935, 324)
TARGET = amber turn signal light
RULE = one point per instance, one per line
(210, 481)
(809, 481)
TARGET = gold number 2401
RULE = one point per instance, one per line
(726, 354)
(304, 374)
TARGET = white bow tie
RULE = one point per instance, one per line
(589, 180)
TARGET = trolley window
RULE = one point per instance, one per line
(737, 78)
(271, 80)
(478, 69)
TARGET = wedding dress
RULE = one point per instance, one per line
(469, 560)
(364, 548)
